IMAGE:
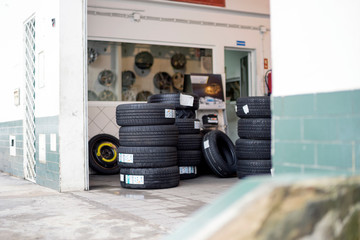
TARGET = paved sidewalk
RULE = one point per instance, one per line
(107, 211)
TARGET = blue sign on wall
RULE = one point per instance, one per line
(240, 43)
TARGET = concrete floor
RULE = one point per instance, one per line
(107, 211)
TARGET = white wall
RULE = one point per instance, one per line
(47, 87)
(182, 34)
(315, 46)
(250, 6)
(13, 14)
(72, 121)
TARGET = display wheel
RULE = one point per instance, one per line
(207, 63)
(162, 81)
(128, 95)
(178, 61)
(106, 78)
(144, 60)
(128, 78)
(178, 81)
(92, 55)
(143, 95)
(107, 95)
(92, 96)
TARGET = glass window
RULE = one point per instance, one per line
(132, 72)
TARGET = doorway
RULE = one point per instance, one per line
(238, 79)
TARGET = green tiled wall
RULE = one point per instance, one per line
(11, 164)
(317, 133)
(47, 174)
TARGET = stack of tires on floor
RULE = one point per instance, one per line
(254, 129)
(189, 140)
(147, 151)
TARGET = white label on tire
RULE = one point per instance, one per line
(246, 109)
(134, 179)
(213, 120)
(206, 144)
(186, 100)
(121, 177)
(170, 113)
(188, 170)
(126, 158)
(235, 108)
(197, 124)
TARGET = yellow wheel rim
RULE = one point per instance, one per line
(108, 144)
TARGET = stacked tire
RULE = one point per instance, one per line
(253, 148)
(189, 140)
(147, 151)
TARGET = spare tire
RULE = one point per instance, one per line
(249, 165)
(103, 156)
(253, 107)
(189, 141)
(188, 172)
(147, 136)
(188, 126)
(189, 157)
(141, 114)
(254, 128)
(179, 100)
(185, 113)
(147, 157)
(219, 153)
(149, 178)
(253, 149)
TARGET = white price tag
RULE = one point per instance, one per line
(134, 179)
(196, 124)
(188, 170)
(213, 120)
(235, 108)
(206, 144)
(186, 100)
(170, 113)
(246, 109)
(121, 177)
(126, 158)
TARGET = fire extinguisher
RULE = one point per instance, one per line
(268, 81)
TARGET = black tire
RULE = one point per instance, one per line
(147, 136)
(189, 142)
(149, 178)
(188, 126)
(253, 149)
(253, 107)
(219, 153)
(241, 174)
(103, 154)
(141, 114)
(254, 128)
(189, 157)
(185, 113)
(179, 100)
(188, 172)
(250, 165)
(147, 157)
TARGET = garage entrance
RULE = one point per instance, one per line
(238, 72)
